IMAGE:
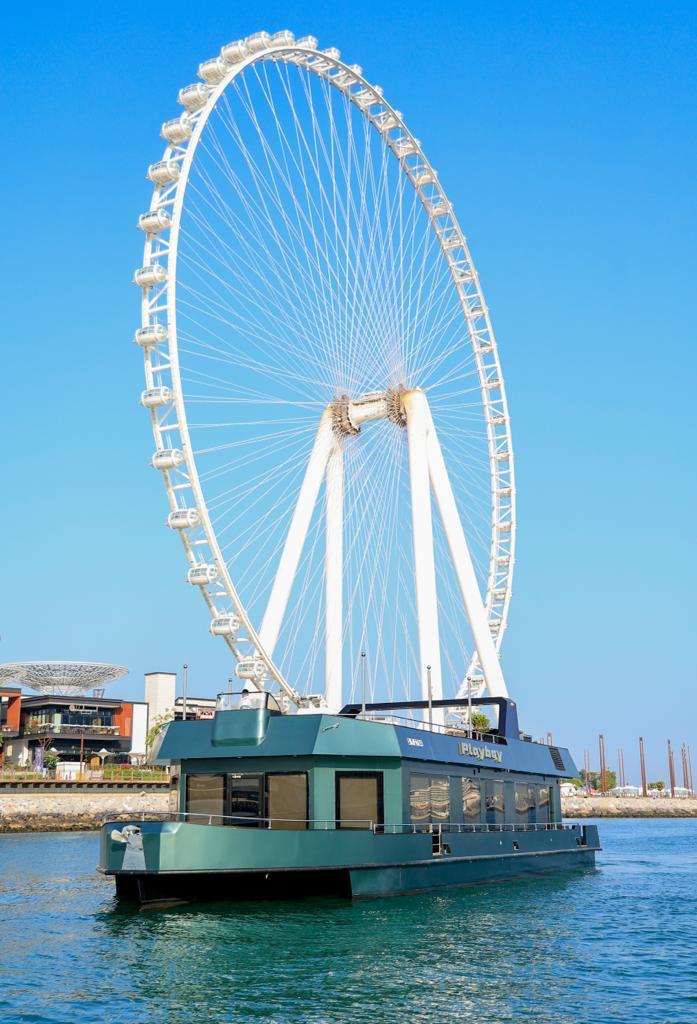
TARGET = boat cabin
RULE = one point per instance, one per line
(374, 767)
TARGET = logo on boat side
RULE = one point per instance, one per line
(413, 742)
(481, 753)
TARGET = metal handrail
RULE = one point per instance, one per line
(326, 823)
(390, 828)
(479, 826)
(418, 723)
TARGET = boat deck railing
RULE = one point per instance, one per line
(365, 824)
(461, 731)
(479, 826)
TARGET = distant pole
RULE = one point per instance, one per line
(363, 681)
(671, 768)
(185, 683)
(469, 704)
(603, 769)
(430, 698)
(685, 774)
(689, 768)
(587, 768)
(642, 761)
(620, 767)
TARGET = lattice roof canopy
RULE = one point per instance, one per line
(65, 678)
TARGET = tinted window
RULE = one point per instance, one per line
(543, 803)
(286, 801)
(525, 802)
(495, 804)
(429, 798)
(246, 795)
(471, 800)
(205, 796)
(358, 799)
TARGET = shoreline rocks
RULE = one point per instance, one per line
(73, 812)
(82, 812)
(628, 807)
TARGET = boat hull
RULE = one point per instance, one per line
(172, 860)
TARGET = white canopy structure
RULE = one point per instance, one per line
(62, 678)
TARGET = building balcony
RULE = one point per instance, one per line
(88, 731)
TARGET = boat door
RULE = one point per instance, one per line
(246, 798)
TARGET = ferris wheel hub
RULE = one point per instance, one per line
(349, 414)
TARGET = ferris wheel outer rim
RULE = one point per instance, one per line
(186, 154)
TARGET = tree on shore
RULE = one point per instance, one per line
(154, 731)
(660, 785)
(595, 781)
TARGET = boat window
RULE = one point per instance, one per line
(359, 799)
(471, 799)
(543, 804)
(429, 798)
(246, 793)
(205, 798)
(525, 802)
(495, 804)
(286, 800)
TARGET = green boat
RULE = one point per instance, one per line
(369, 802)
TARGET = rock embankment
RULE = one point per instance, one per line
(78, 812)
(627, 807)
(73, 812)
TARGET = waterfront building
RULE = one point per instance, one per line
(74, 728)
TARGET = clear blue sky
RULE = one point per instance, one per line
(564, 133)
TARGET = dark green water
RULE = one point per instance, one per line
(615, 945)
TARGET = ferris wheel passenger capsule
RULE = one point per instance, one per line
(153, 334)
(146, 277)
(153, 221)
(234, 53)
(201, 575)
(167, 458)
(283, 38)
(332, 53)
(177, 130)
(183, 519)
(250, 668)
(213, 70)
(164, 172)
(225, 625)
(258, 41)
(193, 97)
(307, 42)
(152, 398)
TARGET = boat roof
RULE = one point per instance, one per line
(255, 733)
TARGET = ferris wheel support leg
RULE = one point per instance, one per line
(297, 532)
(334, 569)
(416, 408)
(464, 569)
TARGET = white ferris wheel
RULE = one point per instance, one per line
(328, 407)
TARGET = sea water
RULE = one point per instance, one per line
(618, 944)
